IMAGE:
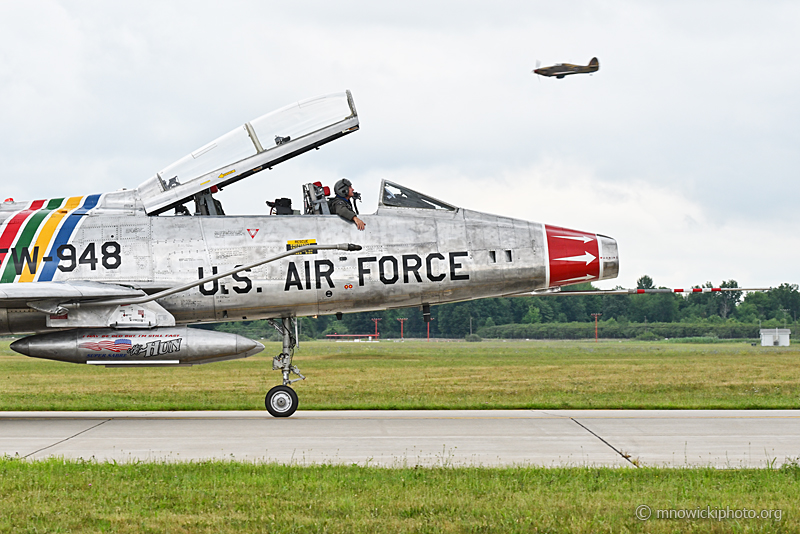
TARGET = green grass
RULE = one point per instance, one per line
(60, 496)
(420, 375)
(221, 497)
(74, 496)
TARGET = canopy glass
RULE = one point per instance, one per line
(398, 196)
(260, 135)
(255, 146)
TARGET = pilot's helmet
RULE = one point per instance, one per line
(342, 187)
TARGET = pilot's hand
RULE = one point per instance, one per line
(359, 223)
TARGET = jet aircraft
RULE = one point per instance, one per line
(559, 70)
(115, 279)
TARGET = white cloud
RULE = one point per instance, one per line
(683, 146)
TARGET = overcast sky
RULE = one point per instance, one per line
(683, 147)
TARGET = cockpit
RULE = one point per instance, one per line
(187, 186)
(316, 197)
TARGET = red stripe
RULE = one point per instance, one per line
(640, 291)
(679, 291)
(715, 289)
(13, 226)
(697, 290)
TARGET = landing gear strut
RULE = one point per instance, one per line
(281, 401)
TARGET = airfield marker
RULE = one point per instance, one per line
(402, 320)
(375, 320)
(595, 315)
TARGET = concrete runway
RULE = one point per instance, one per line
(408, 438)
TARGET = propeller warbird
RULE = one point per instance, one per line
(114, 279)
(559, 70)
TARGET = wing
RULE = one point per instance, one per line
(46, 296)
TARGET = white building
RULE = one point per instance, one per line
(775, 337)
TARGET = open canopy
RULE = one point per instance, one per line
(250, 148)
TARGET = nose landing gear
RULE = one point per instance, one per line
(281, 401)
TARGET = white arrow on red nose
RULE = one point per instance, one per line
(583, 238)
(588, 258)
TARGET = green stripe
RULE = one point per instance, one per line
(27, 236)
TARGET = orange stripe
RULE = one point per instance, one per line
(46, 235)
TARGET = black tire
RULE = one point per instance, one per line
(281, 401)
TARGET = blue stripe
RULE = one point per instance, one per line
(64, 233)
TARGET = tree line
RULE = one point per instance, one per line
(772, 308)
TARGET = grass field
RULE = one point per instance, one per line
(222, 497)
(436, 375)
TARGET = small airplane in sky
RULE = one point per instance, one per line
(114, 279)
(559, 70)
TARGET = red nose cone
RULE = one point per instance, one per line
(574, 256)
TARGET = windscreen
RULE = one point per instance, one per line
(398, 196)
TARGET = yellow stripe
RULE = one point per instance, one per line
(46, 235)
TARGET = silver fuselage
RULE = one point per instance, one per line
(410, 257)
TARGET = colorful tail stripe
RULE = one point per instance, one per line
(19, 259)
(25, 238)
(45, 235)
(12, 228)
(64, 233)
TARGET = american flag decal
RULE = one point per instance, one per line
(117, 345)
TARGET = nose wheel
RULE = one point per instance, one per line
(281, 401)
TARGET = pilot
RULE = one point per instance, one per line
(340, 204)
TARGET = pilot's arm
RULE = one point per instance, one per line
(340, 208)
